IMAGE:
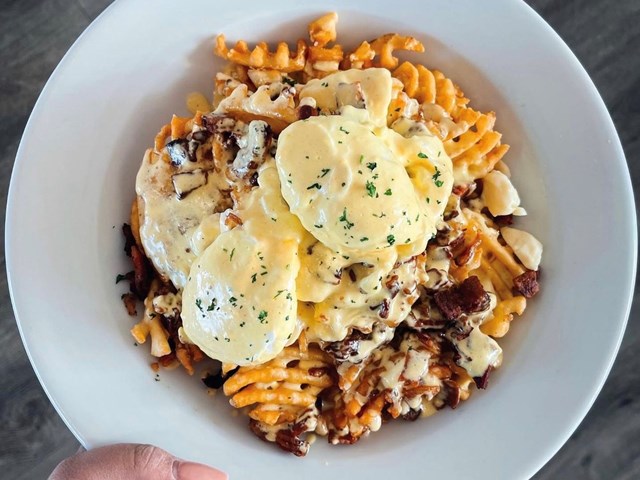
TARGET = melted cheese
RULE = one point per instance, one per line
(335, 221)
(169, 222)
(239, 305)
(371, 87)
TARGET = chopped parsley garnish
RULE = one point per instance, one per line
(364, 239)
(212, 305)
(428, 200)
(199, 304)
(317, 225)
(314, 185)
(391, 239)
(361, 159)
(233, 300)
(344, 131)
(371, 189)
(372, 165)
(278, 294)
(232, 252)
(422, 155)
(388, 192)
(324, 172)
(262, 316)
(343, 218)
(288, 297)
(324, 84)
(253, 278)
(435, 177)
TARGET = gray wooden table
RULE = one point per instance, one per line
(35, 34)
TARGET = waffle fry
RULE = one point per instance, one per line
(261, 58)
(323, 30)
(247, 106)
(413, 367)
(380, 52)
(292, 379)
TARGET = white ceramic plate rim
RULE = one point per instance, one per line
(598, 379)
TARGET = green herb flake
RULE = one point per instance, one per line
(253, 278)
(422, 155)
(324, 172)
(262, 316)
(436, 177)
(364, 239)
(343, 218)
(372, 165)
(314, 185)
(199, 304)
(361, 159)
(212, 305)
(371, 189)
(391, 239)
(232, 253)
(317, 225)
(342, 129)
(388, 192)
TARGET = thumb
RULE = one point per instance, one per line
(132, 462)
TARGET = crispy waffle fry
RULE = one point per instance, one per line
(468, 283)
(379, 53)
(292, 379)
(469, 137)
(323, 30)
(261, 58)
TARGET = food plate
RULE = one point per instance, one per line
(71, 190)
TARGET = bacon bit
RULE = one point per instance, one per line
(453, 393)
(319, 371)
(129, 239)
(460, 190)
(130, 301)
(483, 381)
(468, 297)
(306, 111)
(468, 253)
(384, 309)
(155, 366)
(142, 273)
(527, 283)
(167, 360)
(500, 220)
(344, 349)
(411, 415)
(290, 442)
(348, 439)
(393, 286)
(232, 220)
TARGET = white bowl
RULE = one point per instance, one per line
(74, 178)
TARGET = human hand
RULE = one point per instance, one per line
(132, 462)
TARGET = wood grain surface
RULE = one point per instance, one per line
(34, 35)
